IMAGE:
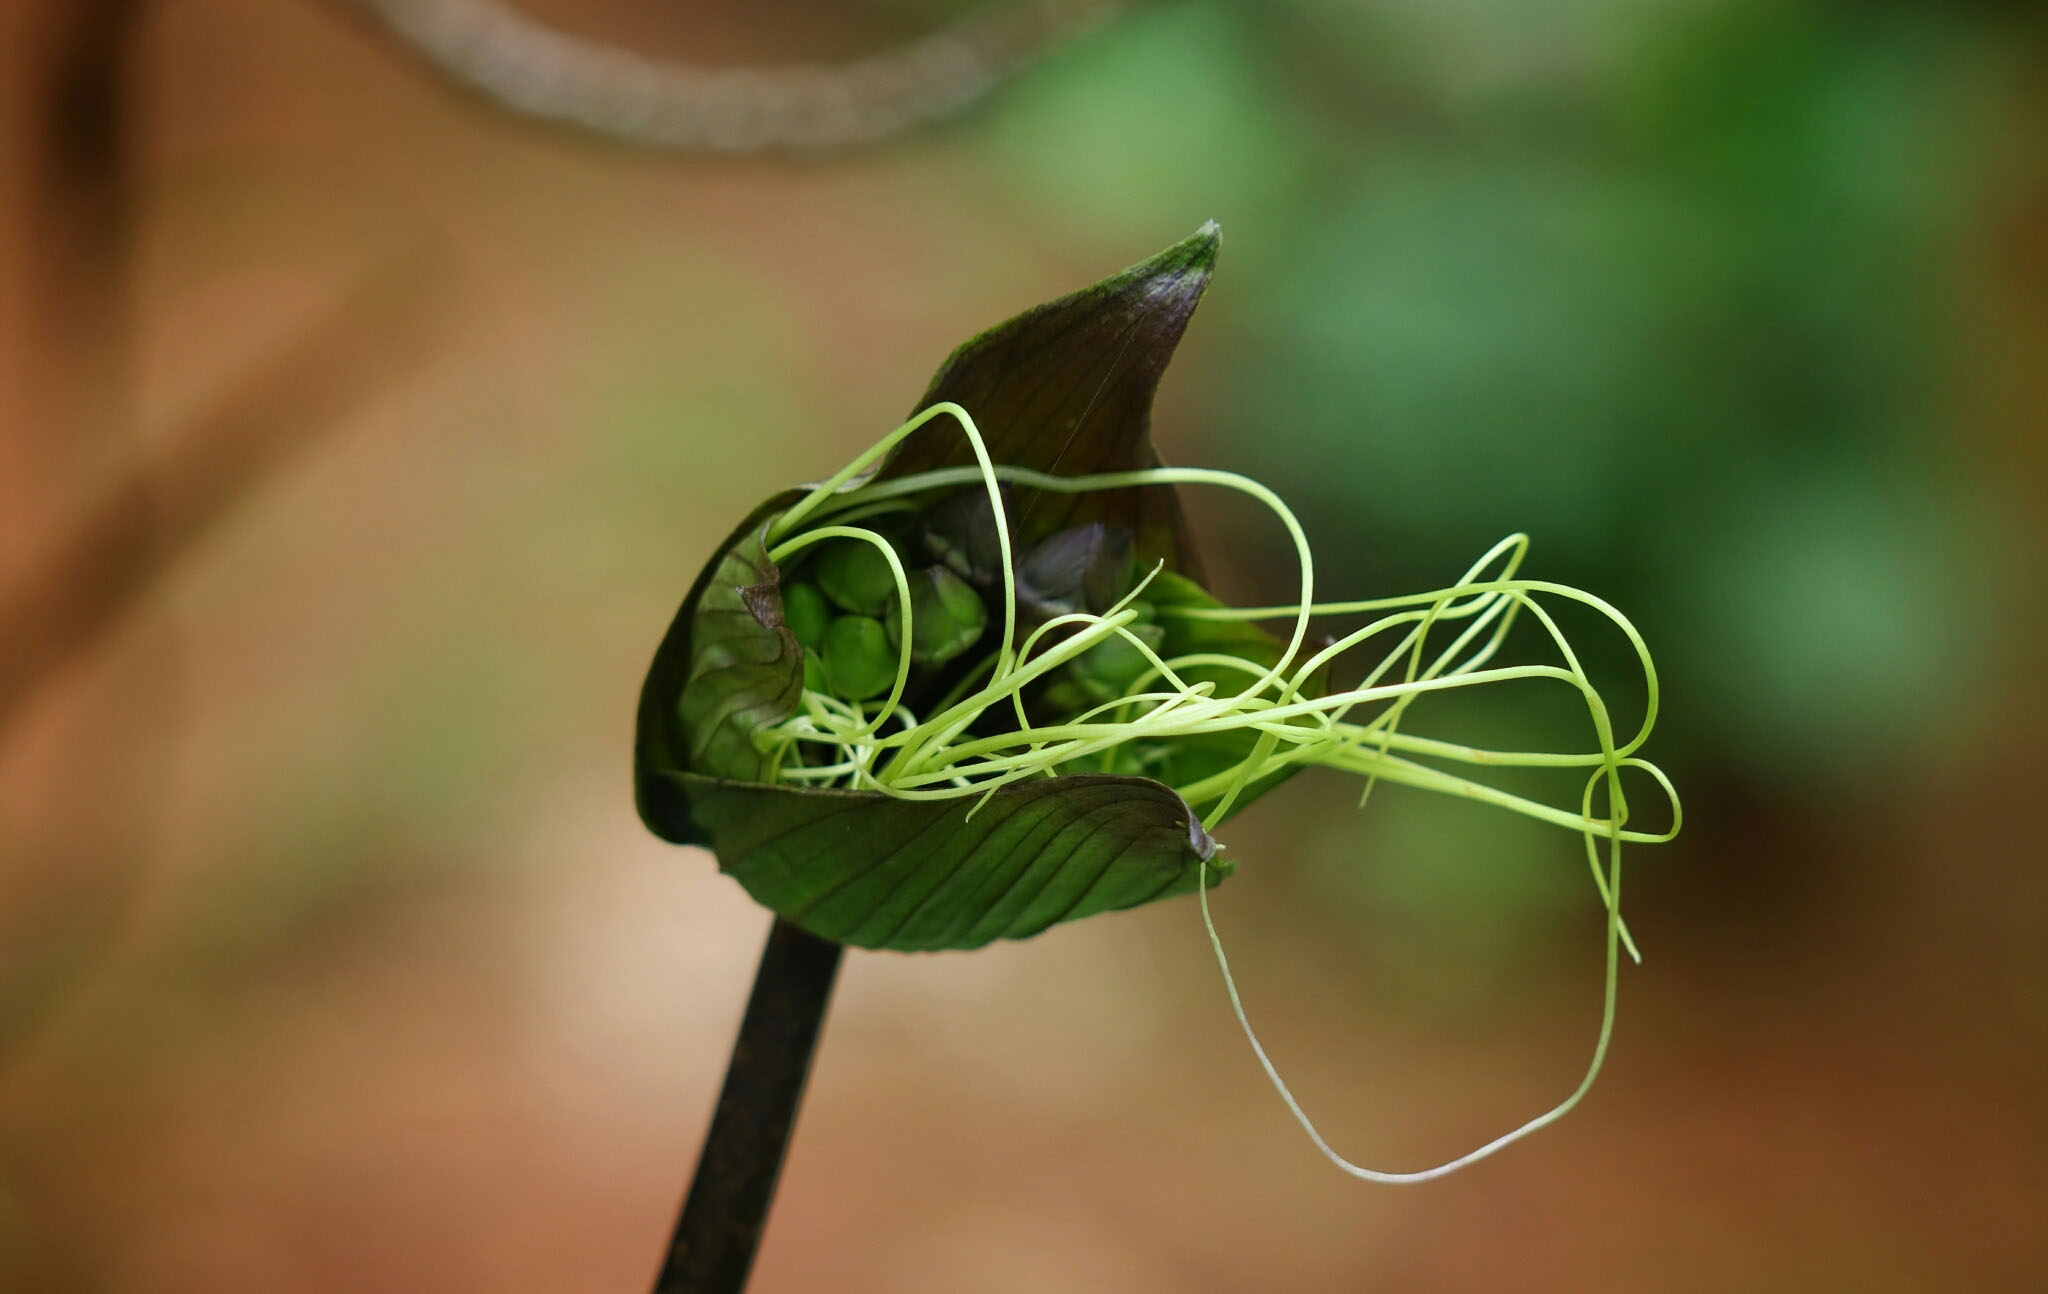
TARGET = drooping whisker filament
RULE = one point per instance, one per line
(949, 696)
(1105, 668)
(984, 734)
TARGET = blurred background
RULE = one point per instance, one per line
(357, 440)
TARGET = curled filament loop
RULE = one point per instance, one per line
(1412, 647)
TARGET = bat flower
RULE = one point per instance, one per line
(973, 684)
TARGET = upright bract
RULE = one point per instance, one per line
(1065, 389)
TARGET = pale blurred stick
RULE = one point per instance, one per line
(385, 328)
(719, 1231)
(75, 316)
(525, 67)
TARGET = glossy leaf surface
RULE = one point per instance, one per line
(877, 872)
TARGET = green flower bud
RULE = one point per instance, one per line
(1081, 568)
(859, 662)
(805, 612)
(960, 530)
(946, 616)
(856, 576)
(1111, 668)
(1063, 697)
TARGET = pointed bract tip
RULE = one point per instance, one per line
(1196, 252)
(1189, 261)
(1170, 282)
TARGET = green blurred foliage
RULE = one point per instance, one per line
(1670, 300)
(1158, 122)
(1670, 287)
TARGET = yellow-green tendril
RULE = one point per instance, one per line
(1291, 723)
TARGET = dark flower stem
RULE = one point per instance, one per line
(720, 1228)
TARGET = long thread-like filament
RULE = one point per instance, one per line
(1425, 644)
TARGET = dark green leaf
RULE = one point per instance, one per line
(876, 872)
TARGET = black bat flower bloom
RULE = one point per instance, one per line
(972, 684)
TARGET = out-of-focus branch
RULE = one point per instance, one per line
(73, 302)
(528, 68)
(125, 541)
